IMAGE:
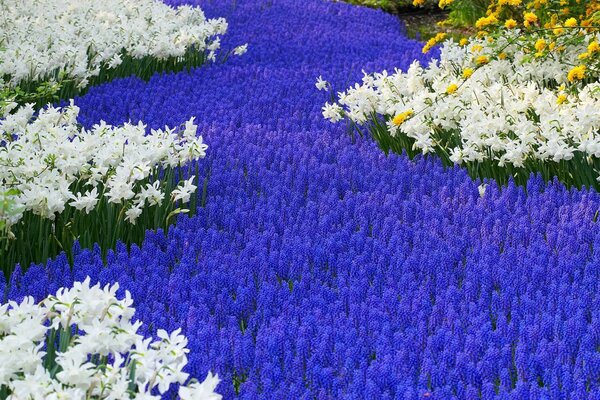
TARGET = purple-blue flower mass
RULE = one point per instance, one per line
(320, 267)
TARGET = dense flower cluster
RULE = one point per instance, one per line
(100, 356)
(320, 268)
(49, 162)
(60, 182)
(44, 40)
(550, 27)
(488, 104)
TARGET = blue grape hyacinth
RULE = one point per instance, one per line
(321, 268)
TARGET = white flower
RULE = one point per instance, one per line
(132, 214)
(79, 37)
(74, 372)
(183, 192)
(201, 391)
(482, 188)
(504, 112)
(321, 84)
(241, 50)
(50, 154)
(150, 193)
(332, 112)
(104, 329)
(86, 202)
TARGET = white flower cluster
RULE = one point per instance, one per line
(75, 38)
(105, 357)
(483, 102)
(43, 160)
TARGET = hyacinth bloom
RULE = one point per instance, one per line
(322, 268)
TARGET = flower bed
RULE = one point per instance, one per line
(320, 267)
(504, 105)
(82, 344)
(60, 183)
(56, 49)
(323, 268)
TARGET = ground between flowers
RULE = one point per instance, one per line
(319, 267)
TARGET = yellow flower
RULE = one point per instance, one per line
(576, 73)
(502, 56)
(430, 43)
(561, 99)
(402, 117)
(583, 56)
(418, 3)
(467, 72)
(476, 48)
(593, 47)
(485, 21)
(571, 22)
(482, 60)
(444, 3)
(530, 18)
(452, 88)
(558, 31)
(510, 24)
(440, 36)
(463, 41)
(540, 44)
(551, 46)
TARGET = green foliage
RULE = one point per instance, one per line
(464, 13)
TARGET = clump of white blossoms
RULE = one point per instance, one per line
(74, 39)
(48, 162)
(485, 102)
(82, 344)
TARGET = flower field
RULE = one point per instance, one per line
(316, 266)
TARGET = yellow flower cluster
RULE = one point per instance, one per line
(548, 28)
(452, 88)
(444, 3)
(576, 73)
(486, 21)
(433, 41)
(402, 117)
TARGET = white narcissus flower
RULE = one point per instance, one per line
(241, 50)
(507, 110)
(132, 214)
(82, 36)
(201, 391)
(104, 328)
(332, 112)
(321, 84)
(85, 202)
(54, 163)
(183, 192)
